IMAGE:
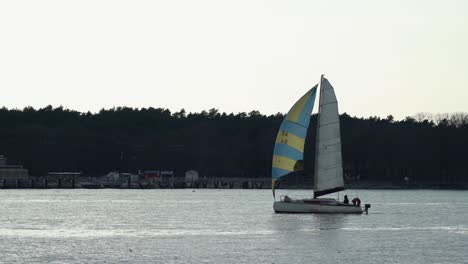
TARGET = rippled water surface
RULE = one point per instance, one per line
(227, 226)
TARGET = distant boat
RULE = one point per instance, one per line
(289, 151)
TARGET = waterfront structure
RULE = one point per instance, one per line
(12, 172)
(191, 176)
(65, 175)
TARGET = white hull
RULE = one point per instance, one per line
(316, 206)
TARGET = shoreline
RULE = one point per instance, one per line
(209, 183)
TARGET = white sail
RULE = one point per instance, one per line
(328, 163)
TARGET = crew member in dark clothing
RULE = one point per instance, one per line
(346, 201)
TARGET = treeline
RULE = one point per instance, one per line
(422, 147)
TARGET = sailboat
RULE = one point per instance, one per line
(289, 151)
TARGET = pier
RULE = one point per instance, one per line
(98, 183)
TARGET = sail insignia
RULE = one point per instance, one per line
(289, 145)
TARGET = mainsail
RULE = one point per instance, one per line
(289, 147)
(328, 163)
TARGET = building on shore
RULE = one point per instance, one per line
(156, 175)
(14, 172)
(191, 176)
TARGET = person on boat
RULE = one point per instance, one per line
(356, 201)
(346, 201)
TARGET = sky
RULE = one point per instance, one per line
(384, 57)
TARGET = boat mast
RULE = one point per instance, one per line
(317, 135)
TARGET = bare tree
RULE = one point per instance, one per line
(441, 118)
(423, 116)
(458, 119)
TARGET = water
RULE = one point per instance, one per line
(227, 226)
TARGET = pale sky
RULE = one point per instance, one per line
(395, 57)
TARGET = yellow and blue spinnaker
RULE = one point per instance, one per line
(289, 145)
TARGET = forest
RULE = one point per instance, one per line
(422, 147)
